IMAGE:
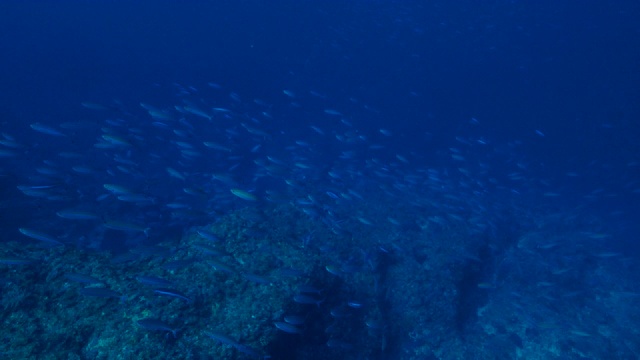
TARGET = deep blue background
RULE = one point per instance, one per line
(568, 69)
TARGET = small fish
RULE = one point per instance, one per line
(116, 140)
(258, 279)
(37, 235)
(364, 220)
(334, 270)
(93, 106)
(117, 189)
(46, 130)
(290, 272)
(81, 278)
(608, 254)
(197, 112)
(138, 199)
(125, 226)
(76, 215)
(288, 328)
(175, 173)
(221, 338)
(208, 235)
(10, 143)
(172, 293)
(374, 324)
(308, 289)
(178, 264)
(393, 221)
(307, 300)
(332, 112)
(217, 265)
(339, 344)
(317, 130)
(7, 153)
(157, 325)
(253, 353)
(580, 333)
(486, 285)
(294, 319)
(339, 312)
(244, 195)
(548, 246)
(101, 293)
(16, 261)
(153, 281)
(332, 195)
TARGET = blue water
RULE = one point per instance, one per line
(482, 152)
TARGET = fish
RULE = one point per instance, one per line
(175, 173)
(40, 236)
(82, 278)
(221, 338)
(334, 270)
(178, 264)
(101, 292)
(209, 250)
(580, 333)
(290, 272)
(15, 261)
(307, 300)
(294, 319)
(172, 293)
(256, 131)
(46, 130)
(11, 144)
(71, 214)
(125, 226)
(339, 312)
(288, 328)
(308, 289)
(177, 206)
(216, 146)
(258, 279)
(244, 195)
(217, 265)
(152, 250)
(93, 106)
(157, 325)
(197, 112)
(153, 281)
(7, 153)
(332, 112)
(138, 199)
(116, 140)
(117, 189)
(238, 346)
(208, 235)
(339, 344)
(374, 324)
(486, 285)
